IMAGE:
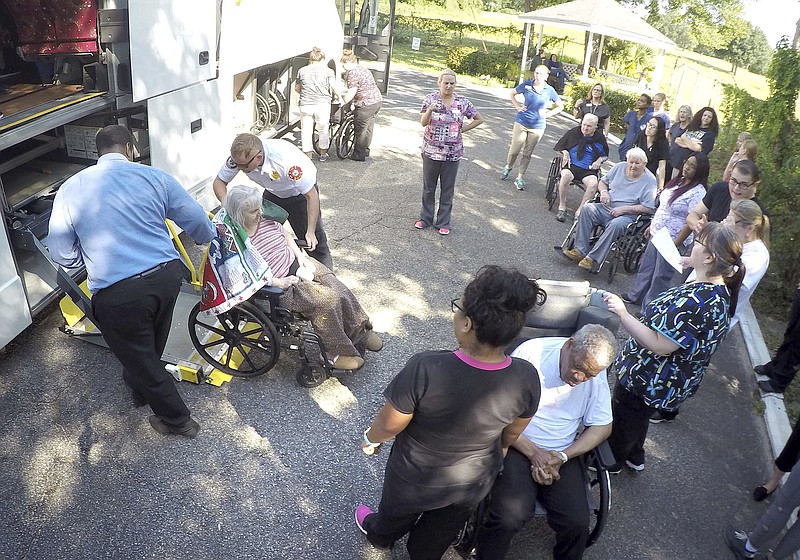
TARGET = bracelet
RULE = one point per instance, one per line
(368, 442)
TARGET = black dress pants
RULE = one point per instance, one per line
(297, 207)
(513, 504)
(135, 316)
(364, 122)
(783, 367)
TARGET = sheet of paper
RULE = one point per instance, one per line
(664, 245)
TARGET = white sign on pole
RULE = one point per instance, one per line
(415, 41)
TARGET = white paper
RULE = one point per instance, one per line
(664, 245)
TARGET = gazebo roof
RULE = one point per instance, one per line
(601, 17)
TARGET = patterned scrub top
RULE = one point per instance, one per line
(442, 138)
(694, 316)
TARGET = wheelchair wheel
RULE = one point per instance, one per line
(600, 487)
(263, 115)
(612, 265)
(241, 342)
(346, 138)
(311, 374)
(551, 189)
(276, 102)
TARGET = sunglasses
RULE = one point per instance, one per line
(246, 165)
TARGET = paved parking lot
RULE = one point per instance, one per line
(276, 470)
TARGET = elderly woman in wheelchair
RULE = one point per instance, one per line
(264, 253)
(628, 190)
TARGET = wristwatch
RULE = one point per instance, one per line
(564, 457)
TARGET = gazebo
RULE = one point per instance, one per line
(606, 18)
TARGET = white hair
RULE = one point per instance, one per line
(594, 342)
(590, 117)
(636, 153)
(240, 200)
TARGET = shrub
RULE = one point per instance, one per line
(456, 57)
(502, 65)
(775, 129)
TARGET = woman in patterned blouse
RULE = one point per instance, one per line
(664, 360)
(442, 114)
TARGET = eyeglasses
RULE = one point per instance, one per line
(741, 184)
(697, 240)
(454, 305)
(246, 165)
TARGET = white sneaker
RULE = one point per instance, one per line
(634, 466)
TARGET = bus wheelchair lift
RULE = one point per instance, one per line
(569, 306)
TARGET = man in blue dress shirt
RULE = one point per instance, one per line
(111, 218)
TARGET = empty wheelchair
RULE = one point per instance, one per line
(626, 250)
(569, 306)
(342, 131)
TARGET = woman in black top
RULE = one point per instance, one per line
(700, 136)
(454, 415)
(594, 104)
(653, 140)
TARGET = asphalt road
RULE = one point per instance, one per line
(276, 470)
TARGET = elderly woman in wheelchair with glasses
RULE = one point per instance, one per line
(310, 288)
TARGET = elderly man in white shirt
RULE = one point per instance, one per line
(545, 463)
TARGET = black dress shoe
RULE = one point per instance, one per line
(768, 387)
(189, 429)
(760, 493)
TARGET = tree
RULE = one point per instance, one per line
(703, 25)
(750, 50)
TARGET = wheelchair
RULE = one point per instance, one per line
(569, 306)
(553, 179)
(246, 341)
(342, 131)
(626, 250)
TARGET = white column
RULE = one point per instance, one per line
(523, 65)
(600, 52)
(588, 58)
(539, 42)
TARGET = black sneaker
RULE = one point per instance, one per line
(658, 418)
(190, 429)
(736, 543)
(628, 298)
(768, 387)
(616, 468)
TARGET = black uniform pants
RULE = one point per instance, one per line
(363, 123)
(297, 207)
(135, 316)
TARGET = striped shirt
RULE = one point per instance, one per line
(270, 241)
